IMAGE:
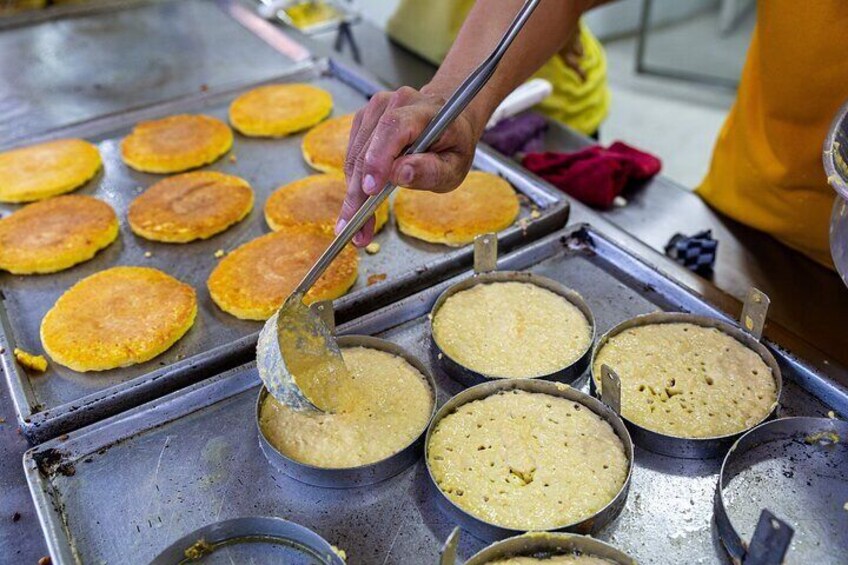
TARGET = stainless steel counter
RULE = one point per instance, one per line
(110, 56)
(806, 299)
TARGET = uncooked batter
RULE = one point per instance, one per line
(511, 330)
(528, 461)
(391, 407)
(690, 381)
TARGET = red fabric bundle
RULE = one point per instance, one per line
(594, 175)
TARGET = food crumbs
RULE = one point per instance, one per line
(375, 278)
(340, 552)
(148, 254)
(30, 361)
(219, 254)
(233, 158)
(372, 248)
(45, 560)
(831, 414)
(534, 213)
(198, 549)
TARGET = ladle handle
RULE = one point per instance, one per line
(458, 101)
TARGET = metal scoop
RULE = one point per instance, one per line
(296, 351)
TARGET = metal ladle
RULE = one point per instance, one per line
(295, 344)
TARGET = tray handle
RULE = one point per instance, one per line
(610, 388)
(770, 541)
(485, 253)
(754, 312)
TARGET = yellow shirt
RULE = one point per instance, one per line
(429, 28)
(766, 168)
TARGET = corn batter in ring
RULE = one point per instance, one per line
(482, 203)
(190, 206)
(690, 381)
(278, 110)
(55, 234)
(527, 460)
(118, 317)
(317, 200)
(176, 143)
(325, 146)
(252, 282)
(46, 169)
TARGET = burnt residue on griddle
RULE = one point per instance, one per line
(50, 462)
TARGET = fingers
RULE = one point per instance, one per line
(399, 126)
(436, 172)
(354, 198)
(366, 234)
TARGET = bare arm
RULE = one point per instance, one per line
(393, 120)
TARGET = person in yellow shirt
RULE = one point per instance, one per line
(578, 72)
(766, 167)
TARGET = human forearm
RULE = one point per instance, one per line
(553, 22)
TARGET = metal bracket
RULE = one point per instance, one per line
(754, 312)
(448, 556)
(325, 311)
(485, 253)
(610, 388)
(770, 541)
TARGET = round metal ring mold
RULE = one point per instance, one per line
(547, 544)
(488, 531)
(469, 377)
(256, 529)
(350, 477)
(682, 447)
(807, 430)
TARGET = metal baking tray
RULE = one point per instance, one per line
(61, 399)
(166, 468)
(67, 64)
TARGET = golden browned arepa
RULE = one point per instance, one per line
(116, 318)
(325, 146)
(482, 203)
(55, 234)
(316, 200)
(254, 280)
(46, 169)
(277, 110)
(176, 143)
(190, 206)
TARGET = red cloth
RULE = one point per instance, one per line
(594, 175)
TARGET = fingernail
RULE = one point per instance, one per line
(406, 174)
(369, 184)
(340, 225)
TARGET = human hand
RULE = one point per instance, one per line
(381, 132)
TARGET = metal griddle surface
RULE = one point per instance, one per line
(409, 265)
(131, 485)
(55, 72)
